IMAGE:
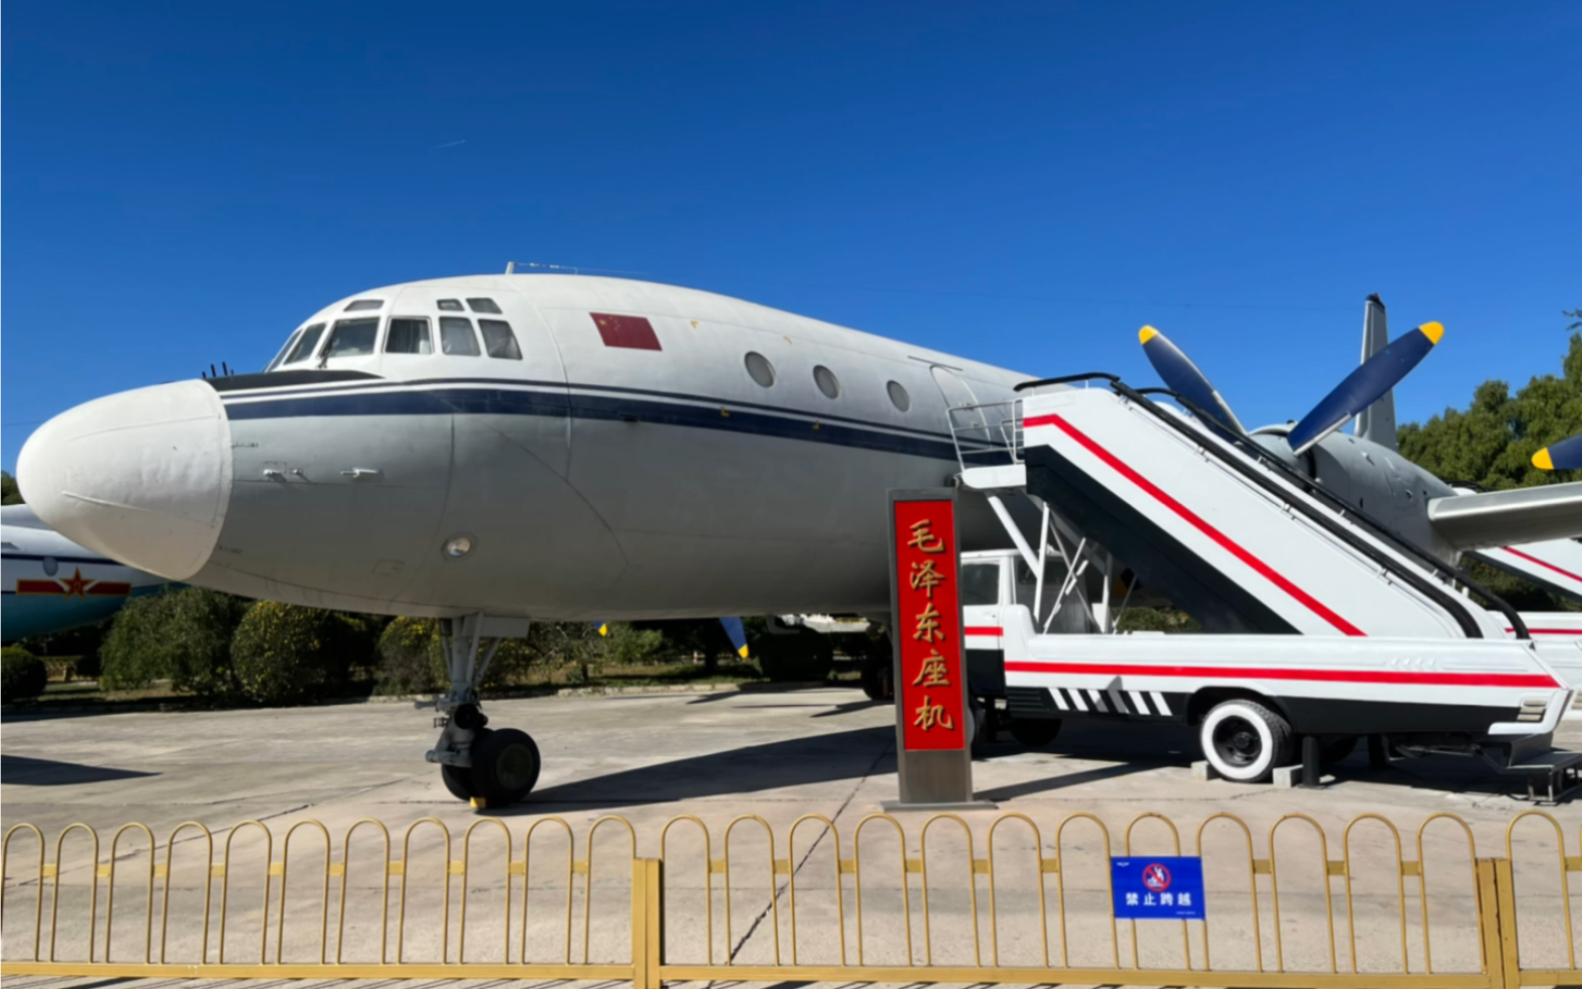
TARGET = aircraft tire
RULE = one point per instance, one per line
(458, 780)
(1245, 741)
(1035, 733)
(505, 766)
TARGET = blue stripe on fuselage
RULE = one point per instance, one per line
(729, 416)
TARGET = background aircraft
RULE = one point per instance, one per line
(491, 449)
(50, 584)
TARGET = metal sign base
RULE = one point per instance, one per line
(891, 806)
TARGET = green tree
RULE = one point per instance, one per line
(1492, 443)
(10, 494)
(181, 635)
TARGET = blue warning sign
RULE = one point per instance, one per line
(1158, 887)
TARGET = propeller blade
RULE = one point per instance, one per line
(733, 628)
(1364, 386)
(1564, 455)
(1181, 376)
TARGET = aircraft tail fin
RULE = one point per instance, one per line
(1377, 422)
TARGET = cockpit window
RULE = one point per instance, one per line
(307, 342)
(408, 335)
(498, 339)
(483, 305)
(283, 351)
(352, 337)
(450, 305)
(362, 305)
(456, 336)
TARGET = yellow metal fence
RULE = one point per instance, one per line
(1016, 903)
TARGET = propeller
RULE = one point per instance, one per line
(1361, 388)
(1564, 455)
(733, 628)
(1183, 377)
(1364, 386)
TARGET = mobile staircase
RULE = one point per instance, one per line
(1321, 626)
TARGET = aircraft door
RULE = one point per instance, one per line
(968, 423)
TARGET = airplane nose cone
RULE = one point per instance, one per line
(143, 477)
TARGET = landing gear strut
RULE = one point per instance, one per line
(494, 766)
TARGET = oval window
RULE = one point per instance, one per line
(827, 382)
(760, 369)
(898, 396)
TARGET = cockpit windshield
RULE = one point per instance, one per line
(352, 337)
(306, 342)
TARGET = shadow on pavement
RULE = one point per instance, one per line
(793, 762)
(27, 771)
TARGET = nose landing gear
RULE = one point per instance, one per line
(478, 763)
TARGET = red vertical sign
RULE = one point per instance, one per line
(932, 687)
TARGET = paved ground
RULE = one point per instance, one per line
(778, 756)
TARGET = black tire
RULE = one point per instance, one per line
(1035, 733)
(978, 728)
(1245, 741)
(505, 765)
(458, 780)
(876, 680)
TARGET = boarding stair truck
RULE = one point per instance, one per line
(1319, 624)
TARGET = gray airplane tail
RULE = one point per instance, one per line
(1376, 422)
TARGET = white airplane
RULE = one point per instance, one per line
(50, 584)
(494, 449)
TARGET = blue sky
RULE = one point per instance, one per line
(1025, 185)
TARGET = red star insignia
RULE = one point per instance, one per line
(77, 585)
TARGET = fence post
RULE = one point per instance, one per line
(1497, 923)
(647, 922)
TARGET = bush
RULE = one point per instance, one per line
(411, 660)
(628, 646)
(180, 635)
(802, 655)
(22, 675)
(285, 653)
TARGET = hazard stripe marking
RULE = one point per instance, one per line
(1244, 673)
(1060, 698)
(1542, 563)
(1235, 549)
(1159, 702)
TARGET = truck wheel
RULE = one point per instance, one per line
(1244, 741)
(978, 728)
(1035, 733)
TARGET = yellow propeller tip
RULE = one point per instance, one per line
(1433, 331)
(1146, 333)
(1542, 460)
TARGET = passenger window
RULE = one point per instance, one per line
(498, 339)
(980, 583)
(306, 343)
(898, 396)
(408, 335)
(352, 337)
(827, 383)
(760, 370)
(362, 305)
(484, 305)
(450, 305)
(456, 337)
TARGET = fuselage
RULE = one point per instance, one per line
(547, 446)
(51, 584)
